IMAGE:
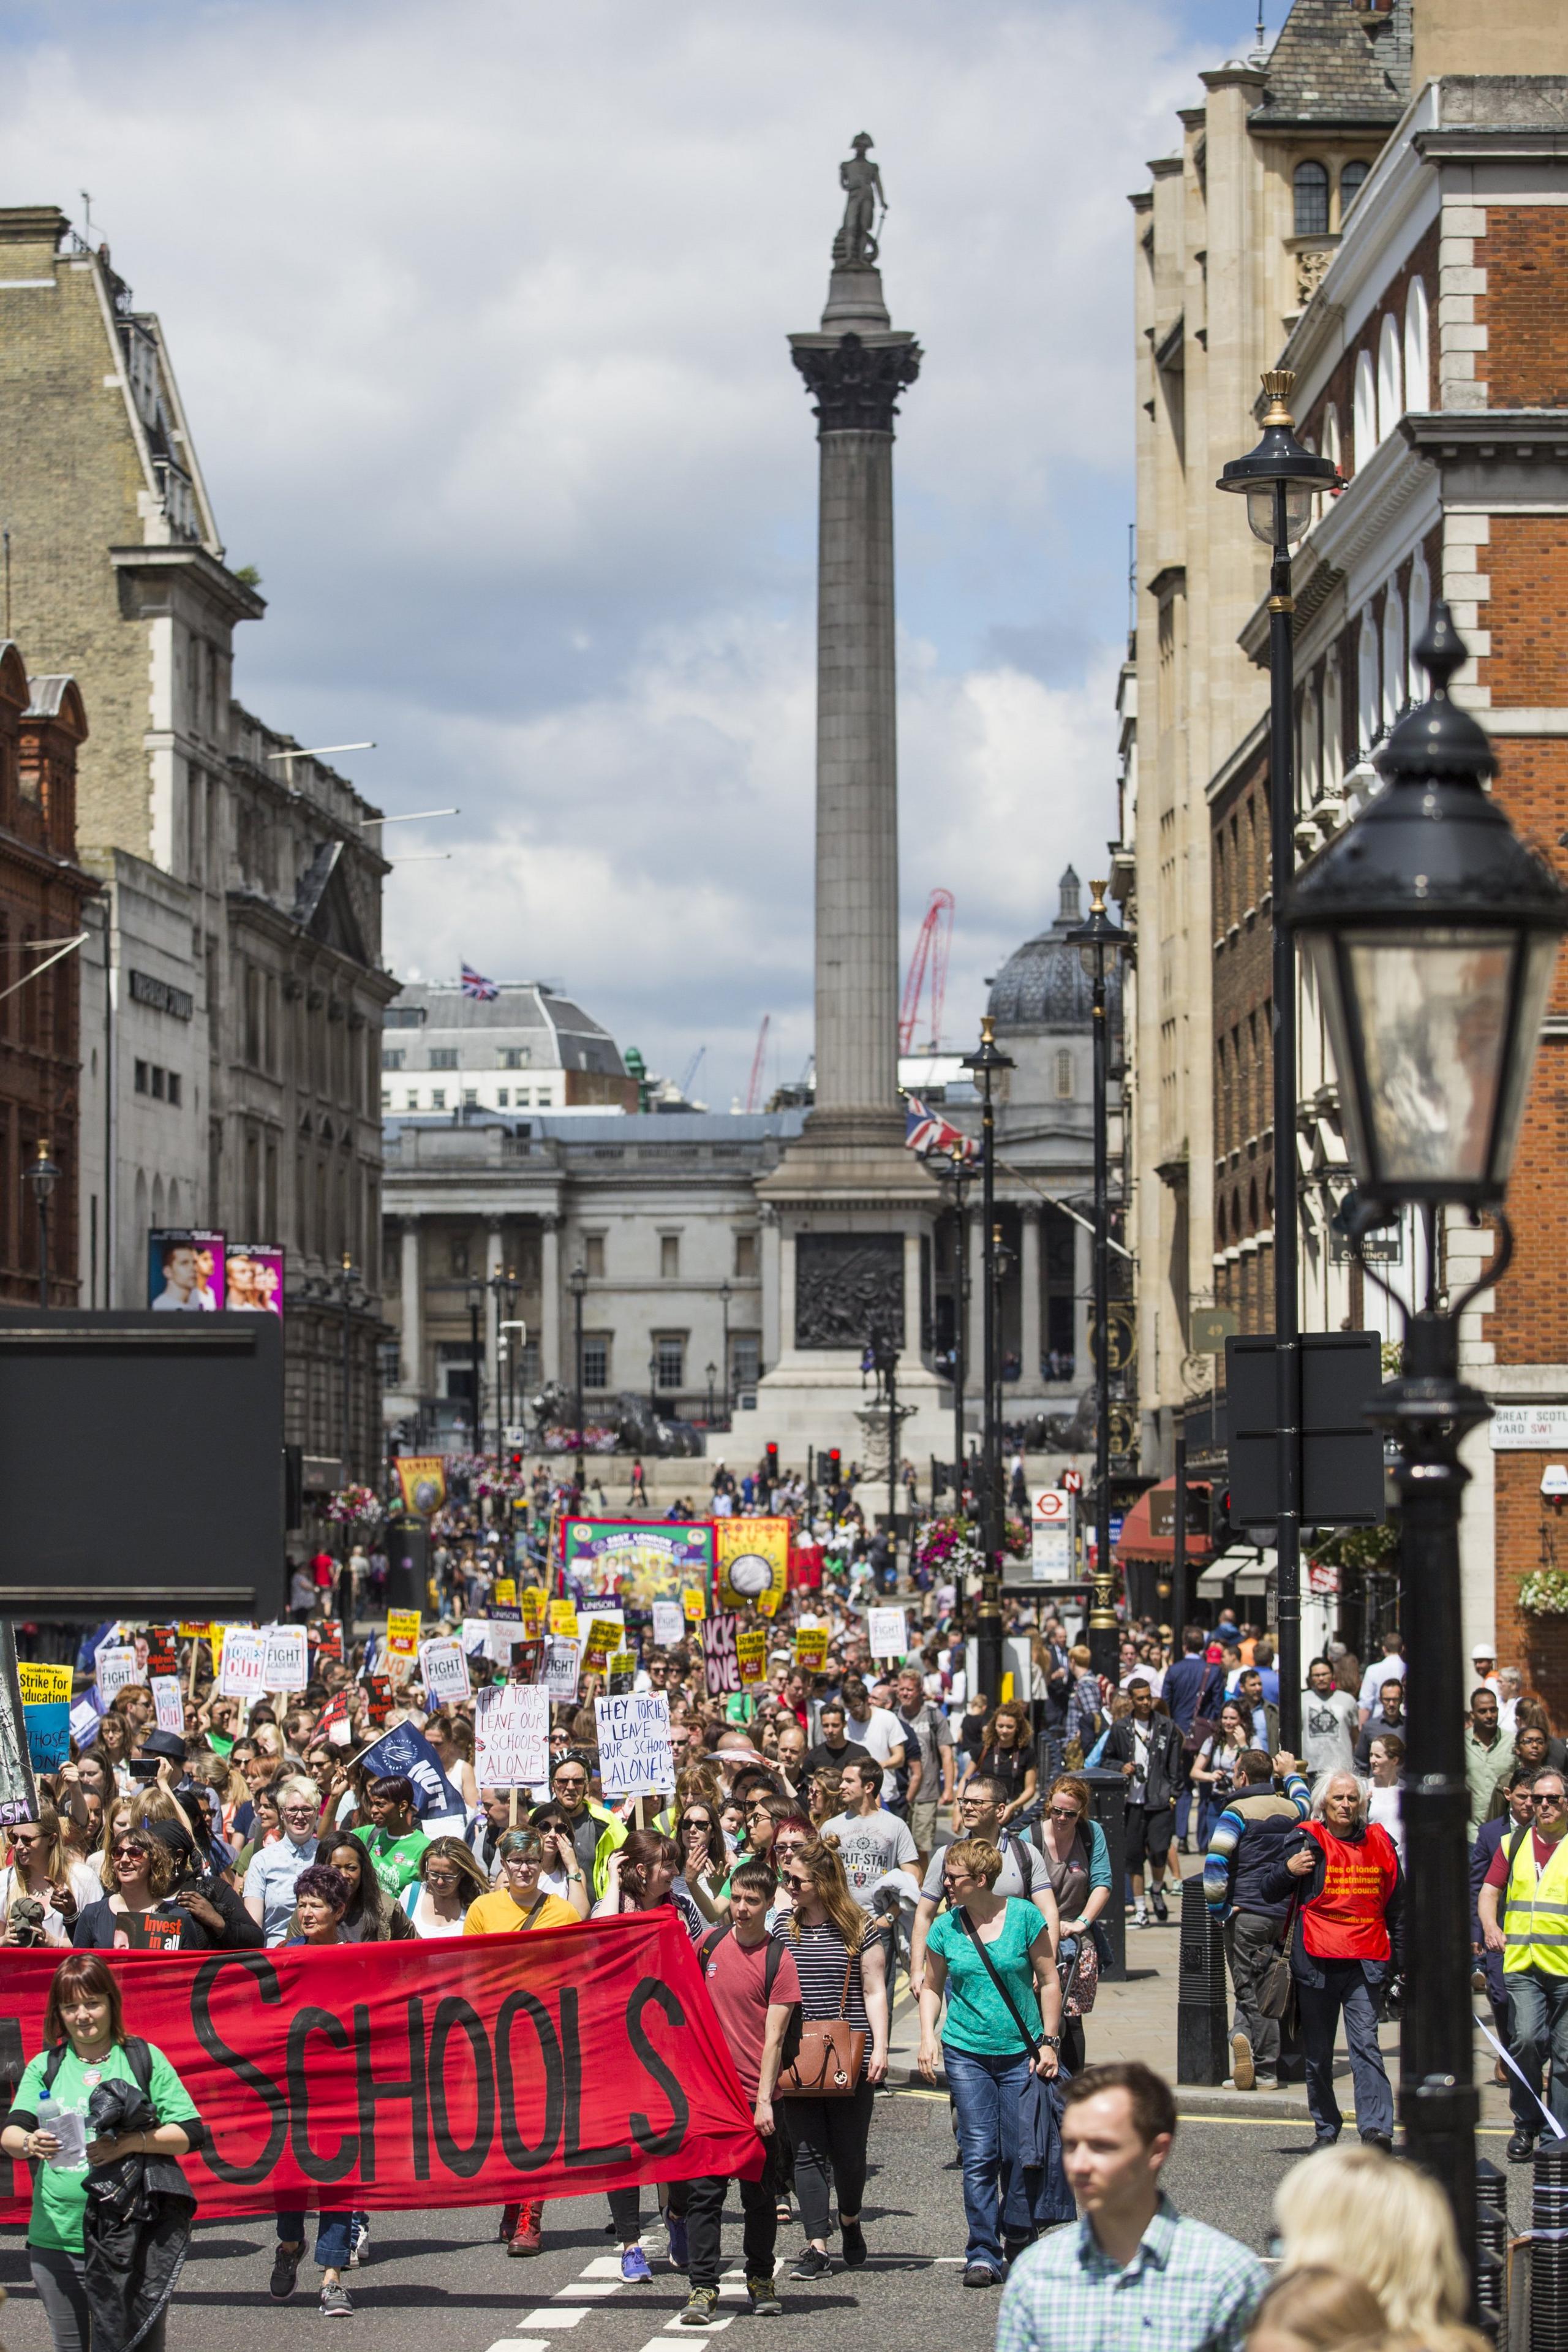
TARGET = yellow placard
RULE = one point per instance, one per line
(195, 1632)
(533, 1601)
(751, 1654)
(601, 1635)
(811, 1648)
(44, 1686)
(752, 1558)
(402, 1632)
(693, 1601)
(422, 1477)
(505, 1591)
(563, 1618)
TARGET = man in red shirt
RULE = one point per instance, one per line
(753, 1984)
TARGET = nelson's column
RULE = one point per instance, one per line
(850, 1216)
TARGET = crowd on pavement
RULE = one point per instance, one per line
(846, 1828)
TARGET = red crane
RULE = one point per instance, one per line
(930, 958)
(755, 1088)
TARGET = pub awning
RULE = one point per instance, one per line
(1246, 1570)
(1148, 1531)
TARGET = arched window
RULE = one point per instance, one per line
(158, 1216)
(1364, 419)
(1320, 499)
(1350, 184)
(1420, 613)
(1367, 701)
(1390, 378)
(1393, 656)
(1312, 187)
(1417, 347)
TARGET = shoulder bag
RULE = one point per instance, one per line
(827, 2064)
(1035, 2103)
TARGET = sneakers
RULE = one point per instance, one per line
(812, 2264)
(1241, 2069)
(1140, 1917)
(677, 2230)
(763, 2298)
(634, 2268)
(286, 2264)
(702, 2307)
(335, 2302)
(358, 2244)
(853, 2238)
(524, 2238)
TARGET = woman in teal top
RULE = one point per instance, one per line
(84, 2027)
(987, 2057)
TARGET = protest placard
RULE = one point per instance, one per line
(44, 1686)
(46, 1713)
(811, 1648)
(475, 1635)
(511, 1735)
(194, 1630)
(243, 1673)
(634, 1757)
(118, 1669)
(562, 1667)
(378, 1699)
(533, 1601)
(402, 1632)
(527, 1659)
(693, 1604)
(752, 1654)
(720, 1664)
(623, 1671)
(602, 1631)
(443, 1670)
(84, 1719)
(887, 1632)
(330, 1640)
(162, 1650)
(753, 1558)
(505, 1590)
(168, 1705)
(287, 1666)
(563, 1618)
(669, 1624)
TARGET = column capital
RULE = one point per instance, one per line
(855, 385)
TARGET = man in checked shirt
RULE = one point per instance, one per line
(1131, 2274)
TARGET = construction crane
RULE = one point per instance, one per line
(754, 1090)
(689, 1075)
(930, 958)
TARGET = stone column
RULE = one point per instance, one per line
(1029, 1298)
(1083, 1299)
(411, 1336)
(855, 369)
(772, 1302)
(550, 1299)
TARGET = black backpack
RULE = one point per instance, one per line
(710, 1944)
(137, 2057)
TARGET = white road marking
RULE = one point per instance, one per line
(596, 2287)
(604, 2266)
(555, 2314)
(520, 2344)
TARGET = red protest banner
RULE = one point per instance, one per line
(469, 2072)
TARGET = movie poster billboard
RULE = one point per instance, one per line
(635, 1561)
(253, 1279)
(184, 1270)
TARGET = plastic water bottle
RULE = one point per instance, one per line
(69, 2130)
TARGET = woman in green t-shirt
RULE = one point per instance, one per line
(85, 2024)
(987, 2057)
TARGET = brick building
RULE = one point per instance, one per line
(42, 891)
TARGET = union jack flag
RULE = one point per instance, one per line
(475, 984)
(926, 1130)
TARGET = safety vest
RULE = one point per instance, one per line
(1535, 1925)
(1346, 1920)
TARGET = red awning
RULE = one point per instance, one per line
(1139, 1539)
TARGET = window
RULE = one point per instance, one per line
(500, 1097)
(438, 1097)
(392, 1057)
(470, 1096)
(1365, 408)
(596, 1360)
(669, 1257)
(411, 1100)
(746, 1256)
(1390, 378)
(593, 1257)
(1350, 185)
(174, 1087)
(1420, 613)
(1312, 187)
(143, 1085)
(1367, 683)
(159, 1075)
(1065, 1073)
(516, 1057)
(443, 1058)
(1393, 656)
(745, 1359)
(386, 1104)
(669, 1363)
(1417, 347)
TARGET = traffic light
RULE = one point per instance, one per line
(1221, 1533)
(515, 1460)
(835, 1469)
(771, 1459)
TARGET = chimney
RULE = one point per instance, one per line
(1502, 37)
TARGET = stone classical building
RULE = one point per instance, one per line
(233, 990)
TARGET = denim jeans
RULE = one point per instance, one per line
(997, 2204)
(1538, 2019)
(331, 2236)
(1348, 1985)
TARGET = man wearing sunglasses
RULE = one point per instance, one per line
(595, 1833)
(1529, 1873)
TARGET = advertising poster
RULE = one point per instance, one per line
(422, 1477)
(253, 1279)
(752, 1556)
(636, 1561)
(634, 1757)
(184, 1270)
(720, 1662)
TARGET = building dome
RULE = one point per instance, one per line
(1043, 985)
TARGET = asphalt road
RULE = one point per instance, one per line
(439, 2282)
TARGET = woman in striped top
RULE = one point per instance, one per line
(841, 1961)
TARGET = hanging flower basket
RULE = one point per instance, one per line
(356, 1506)
(1545, 1593)
(948, 1546)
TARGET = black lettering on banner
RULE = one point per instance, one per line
(518, 2153)
(245, 2070)
(412, 2088)
(616, 2151)
(666, 2142)
(302, 2026)
(454, 2014)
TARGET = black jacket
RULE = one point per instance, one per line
(1165, 1756)
(137, 2224)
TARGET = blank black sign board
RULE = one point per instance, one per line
(141, 1464)
(1341, 1453)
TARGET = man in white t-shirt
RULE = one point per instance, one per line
(876, 1728)
(1382, 1670)
(870, 1840)
(1331, 1722)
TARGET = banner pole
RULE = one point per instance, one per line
(512, 1806)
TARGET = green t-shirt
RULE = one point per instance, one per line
(395, 1860)
(59, 2194)
(978, 2017)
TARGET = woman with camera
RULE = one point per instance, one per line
(52, 2126)
(42, 1886)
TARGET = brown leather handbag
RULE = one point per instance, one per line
(827, 2064)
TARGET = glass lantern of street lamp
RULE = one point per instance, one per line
(1432, 933)
(576, 1281)
(43, 1175)
(1278, 479)
(1100, 938)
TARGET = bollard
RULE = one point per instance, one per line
(1549, 2249)
(1203, 2005)
(1108, 1796)
(1491, 2249)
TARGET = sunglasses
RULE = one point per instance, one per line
(131, 1852)
(790, 1880)
(1554, 1797)
(1064, 1812)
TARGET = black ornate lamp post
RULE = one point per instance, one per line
(725, 1294)
(577, 1283)
(1432, 933)
(43, 1176)
(476, 1358)
(1279, 480)
(349, 1293)
(987, 1064)
(951, 1169)
(1101, 941)
(712, 1376)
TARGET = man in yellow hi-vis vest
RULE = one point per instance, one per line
(1532, 1865)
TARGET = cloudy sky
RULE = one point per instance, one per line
(478, 310)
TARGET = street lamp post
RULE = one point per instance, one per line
(951, 1169)
(43, 1176)
(346, 1283)
(1279, 480)
(1433, 933)
(476, 1358)
(577, 1283)
(712, 1376)
(725, 1295)
(502, 1288)
(1100, 941)
(986, 1063)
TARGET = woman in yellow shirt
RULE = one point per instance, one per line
(518, 1902)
